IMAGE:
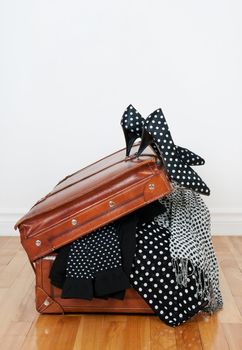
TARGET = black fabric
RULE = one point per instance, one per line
(58, 271)
(127, 230)
(77, 288)
(110, 282)
(133, 251)
(79, 270)
(91, 266)
(153, 277)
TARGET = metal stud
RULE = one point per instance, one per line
(37, 242)
(151, 186)
(74, 222)
(46, 302)
(111, 204)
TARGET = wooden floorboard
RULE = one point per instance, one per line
(22, 328)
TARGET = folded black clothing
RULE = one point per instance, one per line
(133, 251)
(57, 273)
(91, 266)
(130, 252)
(111, 284)
(99, 264)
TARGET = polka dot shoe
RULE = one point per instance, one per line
(132, 123)
(156, 131)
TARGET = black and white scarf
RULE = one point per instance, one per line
(188, 219)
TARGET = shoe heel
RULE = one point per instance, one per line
(146, 140)
(130, 138)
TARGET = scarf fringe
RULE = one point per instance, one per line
(203, 282)
(188, 219)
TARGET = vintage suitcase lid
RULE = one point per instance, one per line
(90, 198)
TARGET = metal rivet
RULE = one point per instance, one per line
(151, 186)
(38, 242)
(74, 222)
(111, 204)
(46, 302)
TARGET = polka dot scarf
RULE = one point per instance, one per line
(188, 220)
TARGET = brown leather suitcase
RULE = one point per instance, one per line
(80, 203)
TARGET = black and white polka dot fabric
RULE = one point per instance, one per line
(134, 122)
(163, 263)
(99, 251)
(94, 266)
(154, 279)
(188, 157)
(188, 219)
(179, 172)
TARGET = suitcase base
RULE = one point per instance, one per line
(48, 297)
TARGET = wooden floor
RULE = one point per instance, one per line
(21, 327)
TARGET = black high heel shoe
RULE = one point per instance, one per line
(155, 130)
(132, 124)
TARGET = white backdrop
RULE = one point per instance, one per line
(70, 68)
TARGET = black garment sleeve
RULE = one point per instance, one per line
(127, 230)
(57, 273)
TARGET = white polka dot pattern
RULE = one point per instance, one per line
(179, 172)
(97, 251)
(188, 219)
(154, 279)
(134, 122)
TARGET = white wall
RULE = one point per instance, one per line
(70, 68)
